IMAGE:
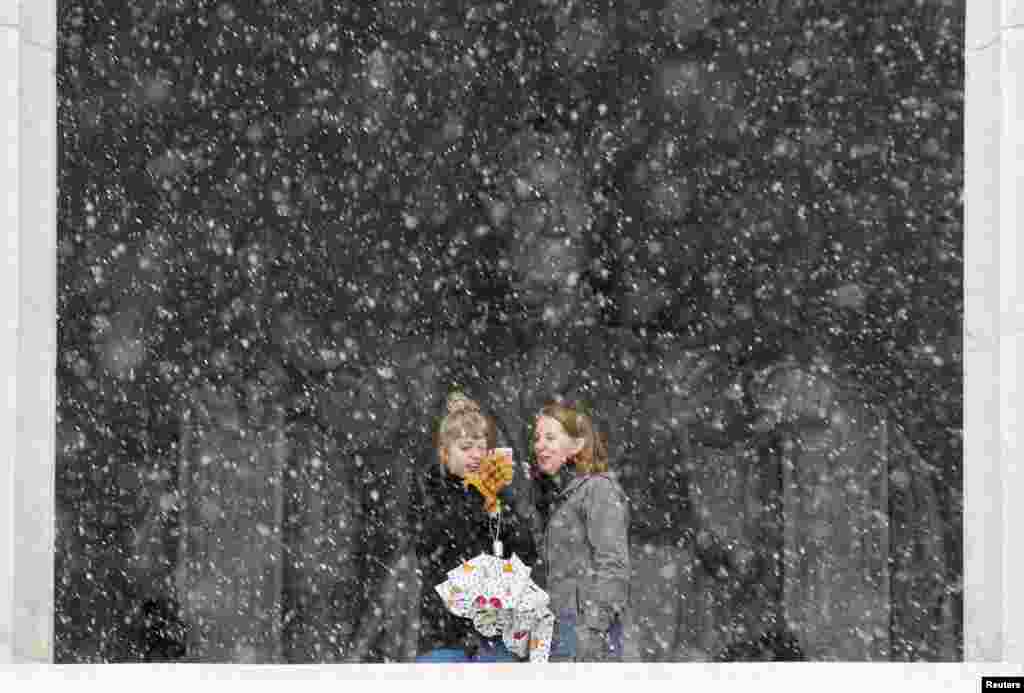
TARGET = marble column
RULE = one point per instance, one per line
(28, 340)
(993, 330)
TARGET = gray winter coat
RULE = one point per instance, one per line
(586, 553)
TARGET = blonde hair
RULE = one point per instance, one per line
(593, 458)
(463, 418)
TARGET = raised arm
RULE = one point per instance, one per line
(516, 531)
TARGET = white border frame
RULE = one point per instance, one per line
(994, 175)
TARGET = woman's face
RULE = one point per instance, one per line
(464, 454)
(552, 445)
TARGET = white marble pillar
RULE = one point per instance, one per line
(28, 340)
(993, 330)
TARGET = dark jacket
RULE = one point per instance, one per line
(450, 526)
(585, 555)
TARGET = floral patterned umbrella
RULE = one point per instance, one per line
(498, 595)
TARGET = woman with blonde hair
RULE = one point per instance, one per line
(585, 553)
(450, 525)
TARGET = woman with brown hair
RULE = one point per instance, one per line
(585, 552)
(451, 526)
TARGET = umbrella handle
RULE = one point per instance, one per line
(498, 547)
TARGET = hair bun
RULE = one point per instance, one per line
(458, 402)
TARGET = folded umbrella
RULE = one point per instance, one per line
(499, 596)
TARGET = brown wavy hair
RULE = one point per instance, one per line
(593, 458)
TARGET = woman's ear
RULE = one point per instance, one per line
(578, 445)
